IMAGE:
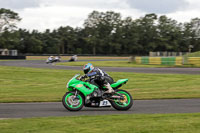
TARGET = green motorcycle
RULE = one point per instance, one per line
(83, 93)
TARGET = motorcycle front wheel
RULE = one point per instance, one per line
(73, 102)
(124, 104)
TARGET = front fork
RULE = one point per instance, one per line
(76, 96)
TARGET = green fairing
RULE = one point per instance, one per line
(81, 86)
(119, 82)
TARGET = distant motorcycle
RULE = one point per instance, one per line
(83, 93)
(52, 59)
(73, 58)
(57, 59)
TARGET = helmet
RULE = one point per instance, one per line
(88, 68)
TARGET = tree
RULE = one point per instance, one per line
(10, 40)
(50, 42)
(103, 33)
(34, 45)
(67, 39)
(146, 28)
(100, 26)
(125, 39)
(8, 19)
(169, 34)
(192, 34)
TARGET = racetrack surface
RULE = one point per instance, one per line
(25, 110)
(42, 64)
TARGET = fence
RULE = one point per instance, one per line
(166, 53)
(168, 60)
(12, 57)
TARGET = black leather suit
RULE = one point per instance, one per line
(99, 77)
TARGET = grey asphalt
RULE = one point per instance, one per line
(42, 64)
(26, 110)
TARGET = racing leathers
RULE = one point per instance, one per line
(100, 78)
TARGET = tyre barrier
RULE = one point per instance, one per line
(168, 60)
(194, 61)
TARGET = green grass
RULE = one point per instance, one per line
(194, 54)
(130, 123)
(18, 84)
(117, 64)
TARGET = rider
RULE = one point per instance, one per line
(51, 58)
(98, 76)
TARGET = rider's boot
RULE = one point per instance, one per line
(87, 100)
(110, 89)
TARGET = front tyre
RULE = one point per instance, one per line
(124, 104)
(72, 102)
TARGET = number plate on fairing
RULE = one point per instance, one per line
(104, 103)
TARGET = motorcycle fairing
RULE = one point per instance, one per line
(119, 83)
(86, 88)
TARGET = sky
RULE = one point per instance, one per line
(51, 14)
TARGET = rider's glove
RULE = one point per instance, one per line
(83, 77)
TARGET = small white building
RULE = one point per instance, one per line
(8, 52)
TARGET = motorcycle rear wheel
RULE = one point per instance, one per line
(123, 104)
(72, 102)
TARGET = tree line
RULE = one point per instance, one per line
(102, 33)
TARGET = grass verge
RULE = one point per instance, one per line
(18, 84)
(130, 123)
(117, 64)
(194, 54)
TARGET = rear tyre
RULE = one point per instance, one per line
(123, 104)
(72, 102)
